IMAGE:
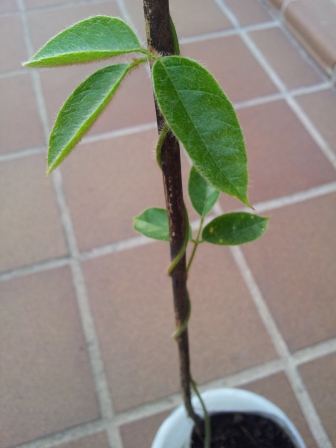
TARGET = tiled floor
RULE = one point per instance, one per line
(86, 359)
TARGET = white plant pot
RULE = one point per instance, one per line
(175, 432)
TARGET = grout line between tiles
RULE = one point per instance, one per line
(7, 157)
(90, 334)
(311, 353)
(141, 240)
(69, 435)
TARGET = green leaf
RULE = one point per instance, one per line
(203, 119)
(233, 229)
(203, 196)
(81, 109)
(92, 39)
(153, 223)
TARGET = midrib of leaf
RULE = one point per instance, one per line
(200, 136)
(87, 123)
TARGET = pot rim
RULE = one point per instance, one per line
(177, 428)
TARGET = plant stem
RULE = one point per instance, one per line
(160, 40)
(196, 243)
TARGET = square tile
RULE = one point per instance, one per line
(33, 4)
(249, 12)
(282, 157)
(321, 109)
(319, 377)
(131, 105)
(20, 126)
(14, 52)
(277, 389)
(45, 379)
(191, 17)
(29, 214)
(98, 440)
(108, 183)
(141, 433)
(285, 58)
(7, 6)
(294, 266)
(135, 321)
(233, 65)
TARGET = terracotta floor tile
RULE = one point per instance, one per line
(313, 23)
(7, 6)
(20, 125)
(277, 389)
(132, 105)
(191, 17)
(14, 52)
(113, 181)
(248, 12)
(294, 70)
(29, 215)
(319, 377)
(44, 24)
(98, 440)
(276, 3)
(240, 76)
(141, 367)
(141, 433)
(321, 109)
(294, 265)
(278, 145)
(45, 380)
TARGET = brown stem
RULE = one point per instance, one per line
(160, 40)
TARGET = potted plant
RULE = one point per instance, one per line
(191, 108)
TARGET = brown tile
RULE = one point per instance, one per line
(242, 78)
(294, 267)
(248, 12)
(112, 181)
(277, 389)
(313, 23)
(141, 433)
(46, 385)
(191, 17)
(44, 24)
(14, 52)
(278, 145)
(135, 321)
(319, 377)
(132, 105)
(20, 126)
(294, 70)
(321, 109)
(29, 216)
(98, 440)
(7, 6)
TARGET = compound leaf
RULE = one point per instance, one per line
(203, 196)
(92, 39)
(81, 109)
(234, 228)
(203, 119)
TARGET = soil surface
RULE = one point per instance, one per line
(237, 430)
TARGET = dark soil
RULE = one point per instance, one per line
(236, 430)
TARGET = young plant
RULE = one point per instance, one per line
(193, 109)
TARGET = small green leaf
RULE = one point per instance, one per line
(81, 109)
(203, 119)
(92, 39)
(153, 223)
(203, 196)
(233, 229)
